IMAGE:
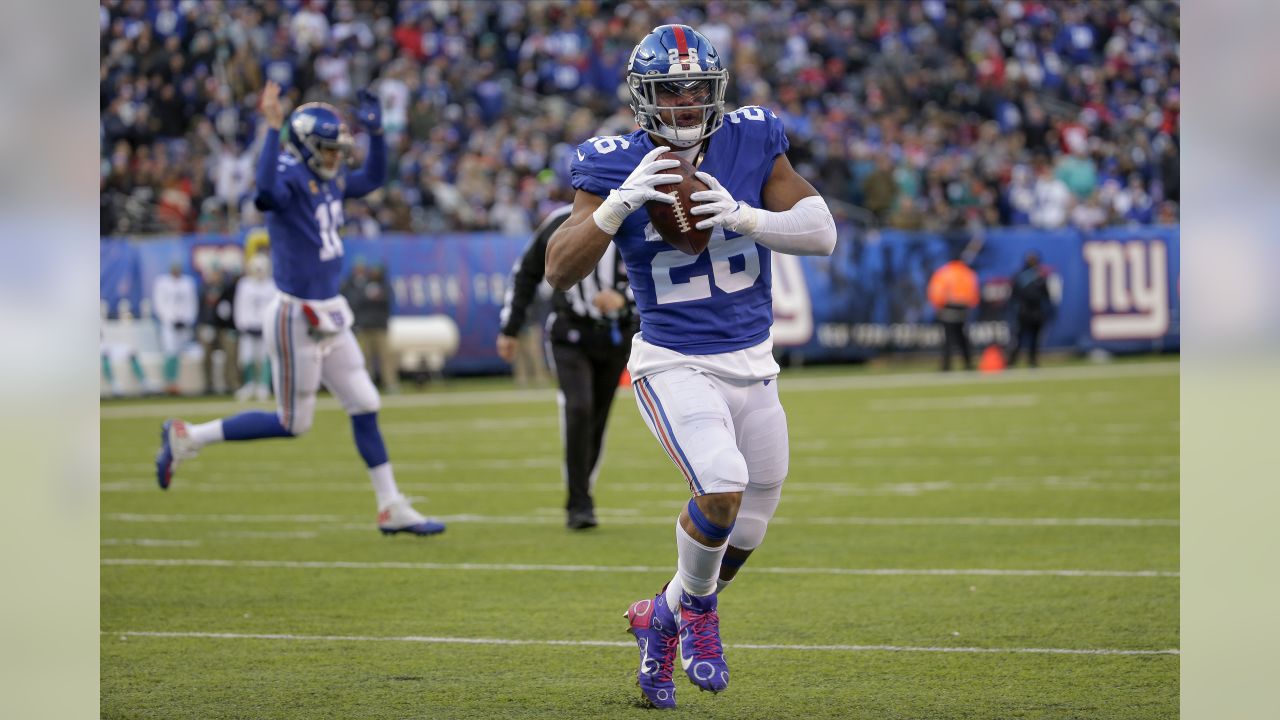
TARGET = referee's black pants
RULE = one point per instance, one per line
(954, 336)
(588, 372)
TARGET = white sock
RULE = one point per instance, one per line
(673, 596)
(722, 584)
(384, 484)
(204, 433)
(699, 565)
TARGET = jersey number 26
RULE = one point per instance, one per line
(698, 287)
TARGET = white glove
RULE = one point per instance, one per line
(733, 215)
(637, 190)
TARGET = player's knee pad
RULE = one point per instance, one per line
(722, 470)
(758, 505)
(298, 426)
(361, 398)
(296, 417)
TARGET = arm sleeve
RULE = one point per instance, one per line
(806, 229)
(373, 174)
(526, 275)
(272, 192)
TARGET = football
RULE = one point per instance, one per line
(674, 222)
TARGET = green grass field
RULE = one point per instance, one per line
(946, 547)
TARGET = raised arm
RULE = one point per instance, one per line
(272, 193)
(374, 173)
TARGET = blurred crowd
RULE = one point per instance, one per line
(914, 114)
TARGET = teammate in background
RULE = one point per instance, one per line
(590, 329)
(254, 293)
(953, 292)
(174, 299)
(308, 328)
(1031, 297)
(702, 364)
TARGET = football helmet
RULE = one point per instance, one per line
(677, 85)
(317, 126)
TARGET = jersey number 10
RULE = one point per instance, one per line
(328, 220)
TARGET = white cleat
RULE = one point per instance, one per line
(399, 516)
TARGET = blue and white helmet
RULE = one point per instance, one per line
(316, 126)
(679, 65)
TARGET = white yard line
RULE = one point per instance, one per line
(800, 384)
(959, 402)
(538, 567)
(149, 542)
(666, 520)
(124, 634)
(209, 484)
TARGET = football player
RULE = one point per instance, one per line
(702, 364)
(308, 324)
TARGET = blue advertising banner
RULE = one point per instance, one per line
(1115, 289)
(463, 276)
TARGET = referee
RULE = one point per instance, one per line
(589, 329)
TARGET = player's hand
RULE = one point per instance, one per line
(609, 300)
(732, 215)
(369, 111)
(506, 347)
(637, 190)
(272, 111)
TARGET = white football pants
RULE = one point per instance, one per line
(301, 362)
(722, 434)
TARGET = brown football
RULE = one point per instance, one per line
(674, 222)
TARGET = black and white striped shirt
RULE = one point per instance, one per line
(574, 305)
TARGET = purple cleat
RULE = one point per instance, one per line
(654, 627)
(701, 653)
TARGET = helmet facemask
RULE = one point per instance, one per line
(309, 142)
(682, 108)
(317, 145)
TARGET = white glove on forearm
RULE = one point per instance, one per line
(806, 229)
(636, 190)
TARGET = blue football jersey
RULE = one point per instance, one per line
(715, 302)
(304, 215)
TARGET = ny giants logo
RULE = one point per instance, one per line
(1128, 289)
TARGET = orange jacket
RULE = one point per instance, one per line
(953, 284)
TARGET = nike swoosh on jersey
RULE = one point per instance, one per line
(581, 156)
